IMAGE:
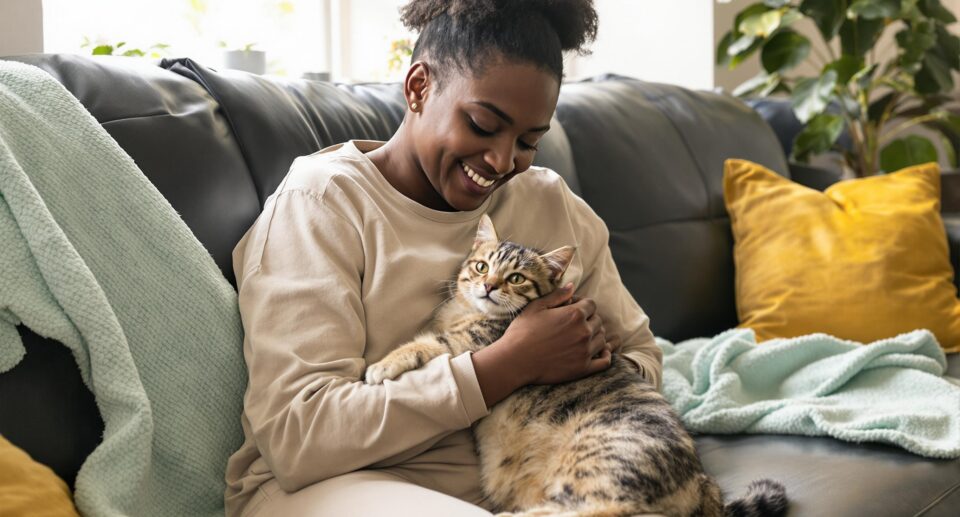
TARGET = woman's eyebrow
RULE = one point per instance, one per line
(507, 118)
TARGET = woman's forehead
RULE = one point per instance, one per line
(522, 94)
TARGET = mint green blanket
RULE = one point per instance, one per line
(891, 391)
(92, 255)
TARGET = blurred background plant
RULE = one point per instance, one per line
(874, 100)
(99, 48)
(399, 54)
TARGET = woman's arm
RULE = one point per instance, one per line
(621, 314)
(300, 300)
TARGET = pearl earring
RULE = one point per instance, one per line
(414, 106)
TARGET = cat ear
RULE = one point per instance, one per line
(485, 231)
(558, 260)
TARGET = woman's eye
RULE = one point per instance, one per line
(479, 130)
(481, 267)
(527, 146)
(516, 279)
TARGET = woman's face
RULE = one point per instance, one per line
(479, 131)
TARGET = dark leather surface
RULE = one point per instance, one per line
(826, 477)
(647, 157)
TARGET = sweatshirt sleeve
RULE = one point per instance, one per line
(300, 300)
(601, 281)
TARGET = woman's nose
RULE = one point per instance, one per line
(502, 159)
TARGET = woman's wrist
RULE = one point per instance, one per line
(497, 373)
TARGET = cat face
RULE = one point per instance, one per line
(500, 278)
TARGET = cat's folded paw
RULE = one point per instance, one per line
(379, 372)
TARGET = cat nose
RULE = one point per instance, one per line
(489, 287)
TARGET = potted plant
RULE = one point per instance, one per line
(245, 58)
(875, 100)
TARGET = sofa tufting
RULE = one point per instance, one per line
(647, 157)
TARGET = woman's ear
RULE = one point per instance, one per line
(416, 85)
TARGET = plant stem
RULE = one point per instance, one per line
(908, 124)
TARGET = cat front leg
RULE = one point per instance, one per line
(409, 356)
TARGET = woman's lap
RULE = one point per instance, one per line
(361, 493)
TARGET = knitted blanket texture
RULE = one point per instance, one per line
(93, 256)
(890, 391)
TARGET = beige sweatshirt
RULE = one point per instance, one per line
(340, 269)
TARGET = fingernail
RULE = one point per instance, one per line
(568, 287)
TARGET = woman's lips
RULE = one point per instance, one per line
(475, 182)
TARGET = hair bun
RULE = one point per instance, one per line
(575, 21)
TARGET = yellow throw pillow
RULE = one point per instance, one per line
(28, 488)
(866, 259)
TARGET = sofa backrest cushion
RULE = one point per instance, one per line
(276, 120)
(649, 159)
(175, 132)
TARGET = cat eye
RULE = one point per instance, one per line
(516, 279)
(481, 267)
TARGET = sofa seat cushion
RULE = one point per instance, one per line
(824, 476)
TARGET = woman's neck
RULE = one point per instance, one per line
(397, 162)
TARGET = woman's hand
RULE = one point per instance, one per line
(558, 338)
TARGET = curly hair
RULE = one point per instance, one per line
(466, 33)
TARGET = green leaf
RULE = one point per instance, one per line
(857, 36)
(907, 151)
(915, 41)
(846, 67)
(818, 136)
(745, 54)
(864, 76)
(134, 52)
(934, 9)
(826, 14)
(103, 50)
(785, 50)
(949, 127)
(812, 94)
(948, 47)
(934, 77)
(879, 106)
(775, 3)
(723, 49)
(761, 85)
(741, 44)
(874, 9)
(748, 12)
(789, 17)
(762, 24)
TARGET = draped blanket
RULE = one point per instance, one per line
(92, 255)
(891, 391)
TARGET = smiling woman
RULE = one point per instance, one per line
(347, 260)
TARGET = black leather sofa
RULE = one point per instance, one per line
(647, 157)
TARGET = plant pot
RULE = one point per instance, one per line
(253, 61)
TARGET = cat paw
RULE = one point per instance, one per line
(379, 372)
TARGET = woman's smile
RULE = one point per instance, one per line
(474, 182)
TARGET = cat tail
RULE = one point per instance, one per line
(765, 498)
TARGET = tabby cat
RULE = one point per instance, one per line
(605, 445)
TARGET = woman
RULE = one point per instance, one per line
(346, 261)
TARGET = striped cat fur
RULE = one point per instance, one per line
(605, 445)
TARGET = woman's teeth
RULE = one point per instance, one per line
(479, 180)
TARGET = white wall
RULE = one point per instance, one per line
(653, 40)
(21, 27)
